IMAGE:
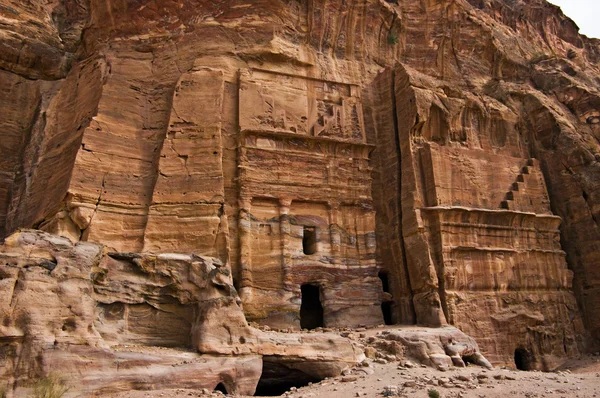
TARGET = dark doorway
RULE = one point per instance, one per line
(311, 310)
(221, 387)
(276, 379)
(522, 359)
(385, 283)
(309, 240)
(386, 309)
(386, 306)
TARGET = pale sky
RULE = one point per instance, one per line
(585, 13)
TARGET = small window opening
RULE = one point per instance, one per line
(309, 240)
(221, 387)
(522, 359)
(311, 309)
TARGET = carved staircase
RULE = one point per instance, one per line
(528, 193)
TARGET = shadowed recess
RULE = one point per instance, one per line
(276, 379)
(311, 310)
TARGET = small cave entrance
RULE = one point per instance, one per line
(309, 240)
(386, 305)
(523, 360)
(221, 387)
(311, 309)
(277, 379)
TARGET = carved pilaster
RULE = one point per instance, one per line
(334, 231)
(285, 230)
(245, 234)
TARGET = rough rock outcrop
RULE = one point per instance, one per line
(441, 347)
(348, 162)
(121, 321)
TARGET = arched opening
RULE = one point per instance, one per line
(386, 309)
(309, 240)
(276, 379)
(385, 283)
(522, 359)
(311, 310)
(221, 387)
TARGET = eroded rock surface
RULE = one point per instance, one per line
(415, 162)
(123, 321)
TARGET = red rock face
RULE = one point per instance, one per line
(485, 257)
(283, 138)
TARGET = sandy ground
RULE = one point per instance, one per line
(577, 378)
(580, 378)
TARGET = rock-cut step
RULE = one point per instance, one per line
(515, 198)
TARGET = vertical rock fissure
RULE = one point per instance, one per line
(156, 163)
(156, 172)
(31, 159)
(17, 183)
(400, 210)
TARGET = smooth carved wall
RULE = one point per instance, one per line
(266, 246)
(477, 179)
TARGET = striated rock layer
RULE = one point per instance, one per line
(348, 162)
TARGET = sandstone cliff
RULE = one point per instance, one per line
(438, 160)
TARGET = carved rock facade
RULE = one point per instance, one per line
(435, 160)
(481, 247)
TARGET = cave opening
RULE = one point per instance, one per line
(276, 379)
(309, 240)
(221, 387)
(311, 309)
(522, 359)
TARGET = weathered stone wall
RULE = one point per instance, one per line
(224, 128)
(483, 225)
(125, 321)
